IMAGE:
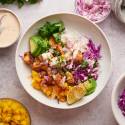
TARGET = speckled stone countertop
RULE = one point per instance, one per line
(98, 112)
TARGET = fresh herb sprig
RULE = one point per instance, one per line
(39, 43)
(19, 2)
(49, 29)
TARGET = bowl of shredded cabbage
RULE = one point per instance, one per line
(63, 61)
(94, 10)
(118, 100)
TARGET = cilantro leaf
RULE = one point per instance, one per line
(84, 64)
(57, 37)
(48, 29)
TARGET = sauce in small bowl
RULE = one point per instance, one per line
(9, 28)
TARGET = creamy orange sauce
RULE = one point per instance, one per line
(9, 28)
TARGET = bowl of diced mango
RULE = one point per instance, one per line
(13, 112)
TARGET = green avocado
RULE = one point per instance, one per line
(90, 86)
(35, 45)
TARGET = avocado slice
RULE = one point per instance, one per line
(35, 45)
(90, 86)
(34, 48)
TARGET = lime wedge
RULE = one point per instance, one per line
(75, 94)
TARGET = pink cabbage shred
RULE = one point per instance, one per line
(96, 10)
(121, 102)
(92, 52)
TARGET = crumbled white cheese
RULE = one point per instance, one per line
(54, 61)
(70, 37)
(51, 50)
(47, 55)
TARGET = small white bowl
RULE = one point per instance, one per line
(10, 11)
(72, 22)
(97, 22)
(117, 90)
(118, 11)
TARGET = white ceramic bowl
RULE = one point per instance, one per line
(118, 11)
(83, 26)
(18, 21)
(118, 88)
(98, 21)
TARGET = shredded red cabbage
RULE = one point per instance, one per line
(121, 102)
(91, 55)
(93, 51)
(83, 74)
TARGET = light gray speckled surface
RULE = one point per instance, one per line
(97, 112)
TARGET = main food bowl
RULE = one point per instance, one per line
(81, 25)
